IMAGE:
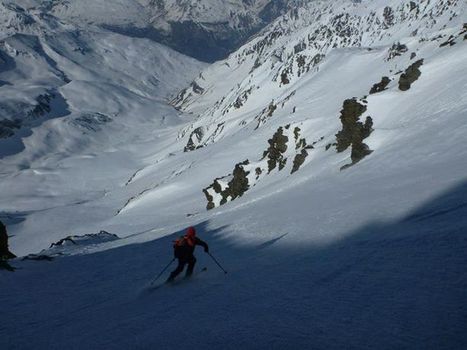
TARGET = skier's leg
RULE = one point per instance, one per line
(191, 266)
(180, 267)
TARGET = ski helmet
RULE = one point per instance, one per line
(191, 232)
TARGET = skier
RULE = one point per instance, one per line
(5, 253)
(183, 251)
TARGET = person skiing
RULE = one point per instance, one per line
(184, 248)
(4, 251)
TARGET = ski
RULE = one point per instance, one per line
(179, 281)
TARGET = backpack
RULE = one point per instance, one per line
(180, 245)
(180, 242)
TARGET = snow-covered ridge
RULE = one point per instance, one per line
(72, 245)
(217, 26)
(270, 78)
(45, 62)
(298, 41)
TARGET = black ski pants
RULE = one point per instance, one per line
(190, 260)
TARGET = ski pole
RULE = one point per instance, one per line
(213, 258)
(165, 268)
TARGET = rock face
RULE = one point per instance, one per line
(73, 244)
(381, 86)
(239, 183)
(7, 127)
(284, 144)
(299, 160)
(91, 121)
(194, 140)
(397, 49)
(411, 74)
(454, 38)
(353, 131)
(29, 113)
(276, 150)
(229, 187)
(90, 238)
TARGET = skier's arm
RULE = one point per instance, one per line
(203, 244)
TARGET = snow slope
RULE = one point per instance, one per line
(385, 284)
(71, 99)
(343, 252)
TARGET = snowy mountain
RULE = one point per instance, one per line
(322, 161)
(215, 27)
(49, 67)
(207, 30)
(357, 58)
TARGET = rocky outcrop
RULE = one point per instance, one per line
(43, 105)
(284, 78)
(388, 15)
(8, 127)
(265, 114)
(275, 152)
(301, 147)
(284, 144)
(411, 74)
(90, 238)
(241, 100)
(397, 49)
(91, 121)
(29, 113)
(299, 160)
(354, 131)
(228, 188)
(452, 40)
(72, 244)
(381, 86)
(239, 183)
(194, 140)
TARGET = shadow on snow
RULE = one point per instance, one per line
(387, 285)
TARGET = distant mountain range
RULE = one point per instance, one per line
(207, 30)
